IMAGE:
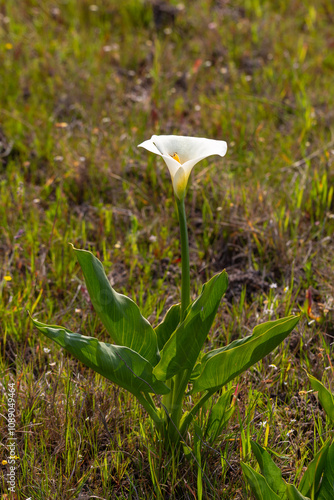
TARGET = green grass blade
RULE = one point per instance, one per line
(259, 485)
(222, 365)
(119, 314)
(117, 363)
(269, 469)
(183, 347)
(326, 398)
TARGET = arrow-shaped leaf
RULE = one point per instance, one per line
(183, 347)
(294, 494)
(222, 365)
(326, 398)
(168, 325)
(326, 491)
(119, 364)
(269, 469)
(259, 485)
(119, 314)
(309, 484)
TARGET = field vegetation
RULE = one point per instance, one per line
(82, 84)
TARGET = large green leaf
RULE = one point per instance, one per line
(294, 494)
(117, 363)
(309, 484)
(269, 469)
(168, 325)
(183, 347)
(222, 365)
(257, 332)
(326, 491)
(326, 398)
(259, 485)
(119, 314)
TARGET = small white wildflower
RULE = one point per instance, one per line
(273, 285)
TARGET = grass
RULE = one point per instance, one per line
(82, 85)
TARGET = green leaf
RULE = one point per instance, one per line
(326, 491)
(294, 494)
(220, 414)
(222, 365)
(119, 314)
(326, 398)
(259, 485)
(168, 325)
(269, 469)
(117, 363)
(309, 484)
(183, 347)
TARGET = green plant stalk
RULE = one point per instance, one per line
(150, 408)
(185, 279)
(180, 381)
(186, 420)
(180, 385)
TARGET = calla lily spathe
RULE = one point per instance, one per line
(181, 153)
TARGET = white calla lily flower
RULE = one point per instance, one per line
(181, 154)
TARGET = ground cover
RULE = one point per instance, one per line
(81, 85)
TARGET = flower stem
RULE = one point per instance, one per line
(180, 381)
(185, 280)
